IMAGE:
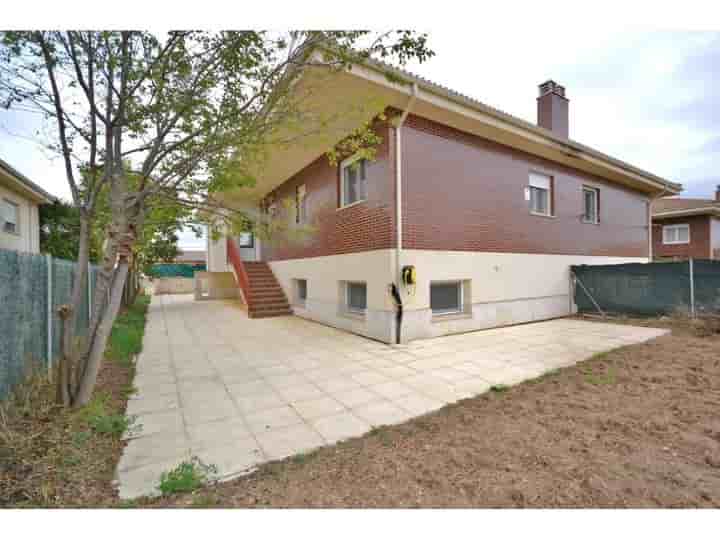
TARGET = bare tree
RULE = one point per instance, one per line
(139, 116)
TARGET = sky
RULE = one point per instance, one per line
(647, 98)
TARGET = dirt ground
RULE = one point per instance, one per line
(636, 427)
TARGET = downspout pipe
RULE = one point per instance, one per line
(397, 296)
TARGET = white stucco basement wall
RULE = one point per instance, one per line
(505, 288)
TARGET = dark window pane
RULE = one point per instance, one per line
(245, 240)
(357, 296)
(302, 289)
(445, 297)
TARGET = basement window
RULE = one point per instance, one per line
(300, 291)
(353, 186)
(676, 234)
(540, 194)
(356, 297)
(446, 297)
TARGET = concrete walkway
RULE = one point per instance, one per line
(237, 392)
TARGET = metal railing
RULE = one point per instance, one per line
(241, 276)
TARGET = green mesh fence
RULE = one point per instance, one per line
(24, 294)
(23, 316)
(176, 270)
(648, 289)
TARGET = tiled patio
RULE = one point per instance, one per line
(237, 392)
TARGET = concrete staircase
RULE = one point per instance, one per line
(267, 298)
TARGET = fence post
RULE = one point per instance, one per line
(89, 291)
(692, 288)
(48, 259)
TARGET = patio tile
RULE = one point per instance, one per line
(152, 403)
(249, 388)
(199, 414)
(338, 384)
(232, 459)
(418, 404)
(381, 413)
(268, 419)
(281, 443)
(353, 397)
(391, 389)
(152, 449)
(217, 433)
(301, 392)
(367, 378)
(258, 402)
(158, 422)
(315, 408)
(282, 381)
(341, 426)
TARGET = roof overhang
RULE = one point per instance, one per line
(19, 183)
(708, 210)
(339, 96)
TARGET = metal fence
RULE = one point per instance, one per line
(32, 287)
(648, 289)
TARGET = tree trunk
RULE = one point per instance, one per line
(98, 341)
(65, 368)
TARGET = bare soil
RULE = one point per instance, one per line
(636, 427)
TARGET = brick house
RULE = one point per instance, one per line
(685, 228)
(489, 210)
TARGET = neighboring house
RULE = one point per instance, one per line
(19, 217)
(684, 228)
(191, 256)
(488, 209)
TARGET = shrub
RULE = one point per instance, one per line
(186, 477)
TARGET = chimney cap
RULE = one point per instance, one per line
(551, 86)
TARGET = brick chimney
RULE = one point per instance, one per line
(717, 193)
(552, 108)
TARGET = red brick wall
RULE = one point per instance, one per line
(462, 192)
(364, 226)
(699, 246)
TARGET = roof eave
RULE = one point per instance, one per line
(27, 186)
(577, 149)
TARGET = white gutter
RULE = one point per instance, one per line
(712, 210)
(398, 184)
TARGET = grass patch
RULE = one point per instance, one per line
(99, 416)
(51, 456)
(127, 333)
(598, 379)
(499, 388)
(186, 477)
(383, 435)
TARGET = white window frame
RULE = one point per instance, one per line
(344, 165)
(596, 193)
(540, 181)
(16, 207)
(675, 227)
(348, 307)
(461, 298)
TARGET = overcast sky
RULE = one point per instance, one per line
(646, 98)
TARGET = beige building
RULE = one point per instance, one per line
(19, 217)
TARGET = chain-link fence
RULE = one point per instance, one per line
(649, 289)
(32, 287)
